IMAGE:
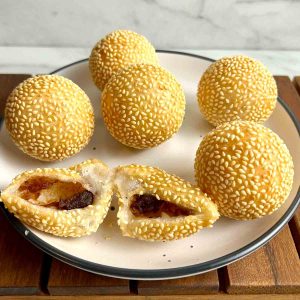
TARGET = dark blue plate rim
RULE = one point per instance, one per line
(159, 273)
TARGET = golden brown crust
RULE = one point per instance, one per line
(143, 105)
(49, 117)
(237, 88)
(144, 179)
(118, 50)
(245, 168)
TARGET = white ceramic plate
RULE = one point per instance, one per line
(106, 251)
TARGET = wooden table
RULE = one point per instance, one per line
(26, 272)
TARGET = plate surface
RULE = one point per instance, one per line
(106, 251)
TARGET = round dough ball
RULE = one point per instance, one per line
(237, 88)
(245, 168)
(143, 105)
(49, 117)
(117, 50)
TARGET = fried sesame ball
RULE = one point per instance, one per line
(237, 88)
(40, 211)
(245, 168)
(143, 105)
(117, 50)
(189, 208)
(49, 117)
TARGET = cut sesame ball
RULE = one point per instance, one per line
(155, 206)
(245, 168)
(62, 202)
(117, 50)
(143, 106)
(237, 88)
(49, 117)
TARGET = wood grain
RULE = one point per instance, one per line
(7, 83)
(288, 93)
(296, 82)
(173, 297)
(20, 263)
(67, 280)
(275, 268)
(200, 284)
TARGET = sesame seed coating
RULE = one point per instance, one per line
(164, 186)
(143, 106)
(66, 223)
(245, 168)
(237, 88)
(117, 50)
(49, 117)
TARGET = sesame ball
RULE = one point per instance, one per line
(237, 88)
(49, 117)
(143, 106)
(137, 180)
(245, 168)
(117, 50)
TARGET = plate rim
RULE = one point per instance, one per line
(158, 274)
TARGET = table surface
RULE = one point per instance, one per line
(26, 272)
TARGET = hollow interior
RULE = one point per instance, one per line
(148, 206)
(51, 192)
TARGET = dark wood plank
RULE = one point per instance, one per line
(295, 229)
(275, 268)
(173, 297)
(200, 284)
(20, 263)
(296, 82)
(7, 83)
(67, 280)
(295, 222)
(288, 93)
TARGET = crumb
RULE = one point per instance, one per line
(26, 232)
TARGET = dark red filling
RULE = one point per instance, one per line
(149, 206)
(79, 200)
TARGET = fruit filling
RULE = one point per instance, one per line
(50, 192)
(149, 206)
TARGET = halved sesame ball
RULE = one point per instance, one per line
(143, 105)
(117, 50)
(245, 168)
(49, 117)
(237, 88)
(155, 206)
(63, 202)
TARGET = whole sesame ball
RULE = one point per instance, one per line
(49, 117)
(117, 50)
(245, 168)
(237, 88)
(143, 105)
